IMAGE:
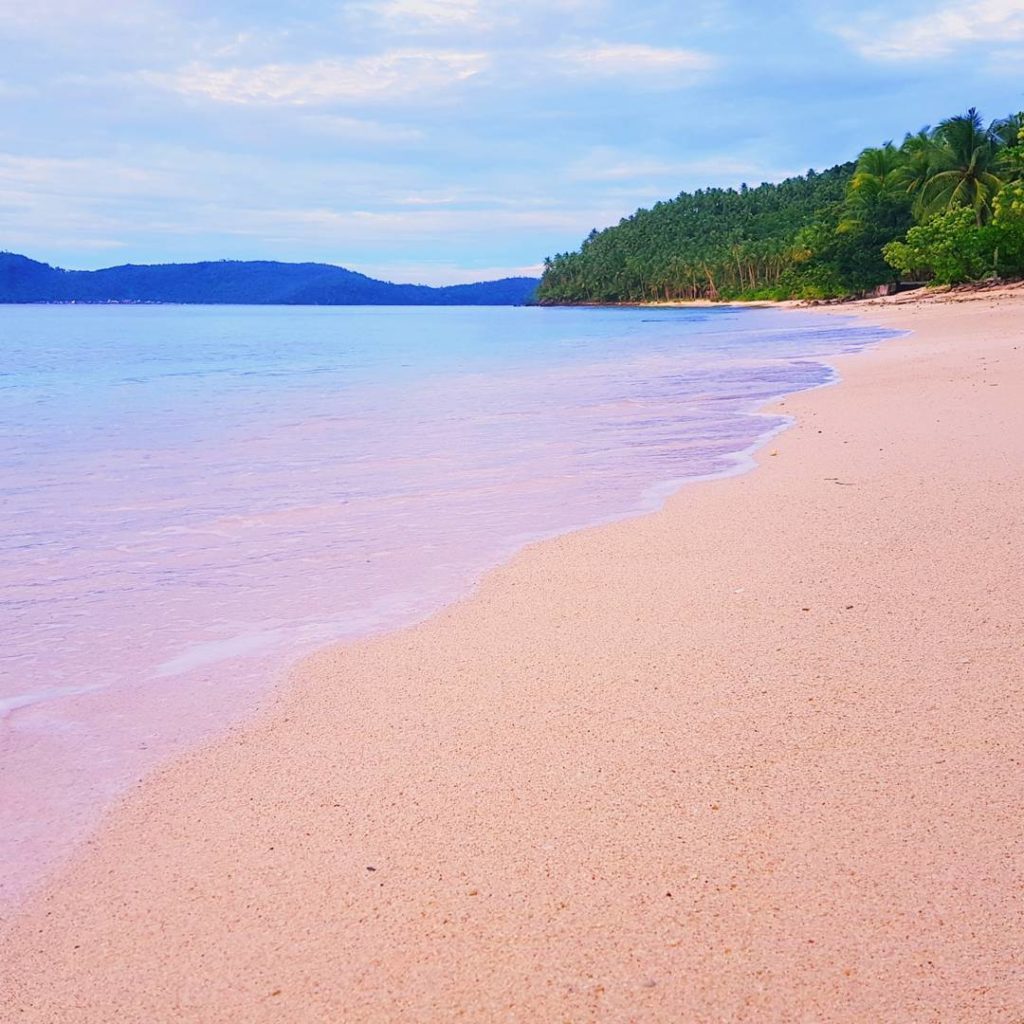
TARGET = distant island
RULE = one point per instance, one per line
(233, 282)
(944, 206)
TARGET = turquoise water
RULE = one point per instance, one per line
(193, 497)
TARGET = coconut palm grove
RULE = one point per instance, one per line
(945, 206)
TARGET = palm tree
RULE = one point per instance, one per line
(1009, 130)
(878, 179)
(878, 169)
(962, 173)
(917, 159)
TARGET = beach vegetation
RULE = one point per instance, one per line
(963, 160)
(945, 205)
(947, 247)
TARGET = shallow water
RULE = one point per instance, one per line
(192, 497)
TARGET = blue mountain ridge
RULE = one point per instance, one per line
(235, 282)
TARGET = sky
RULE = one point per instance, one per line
(441, 141)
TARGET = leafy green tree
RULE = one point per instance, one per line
(1009, 131)
(1009, 203)
(879, 172)
(1008, 220)
(917, 154)
(950, 247)
(963, 167)
(1011, 158)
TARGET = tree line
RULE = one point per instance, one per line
(946, 205)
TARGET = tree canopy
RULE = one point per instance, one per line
(829, 234)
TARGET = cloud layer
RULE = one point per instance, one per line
(390, 77)
(939, 31)
(436, 139)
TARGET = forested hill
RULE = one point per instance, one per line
(242, 283)
(945, 205)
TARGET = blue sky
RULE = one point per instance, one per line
(446, 140)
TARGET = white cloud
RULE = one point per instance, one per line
(607, 167)
(429, 13)
(605, 164)
(467, 17)
(355, 129)
(85, 178)
(447, 197)
(600, 60)
(42, 15)
(10, 91)
(411, 223)
(386, 76)
(182, 197)
(938, 31)
(442, 273)
(115, 31)
(1007, 62)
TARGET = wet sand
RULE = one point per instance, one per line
(757, 757)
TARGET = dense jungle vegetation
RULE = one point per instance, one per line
(946, 205)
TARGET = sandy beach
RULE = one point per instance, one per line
(756, 757)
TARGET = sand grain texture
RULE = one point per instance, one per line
(757, 757)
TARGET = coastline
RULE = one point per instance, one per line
(750, 757)
(912, 296)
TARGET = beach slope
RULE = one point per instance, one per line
(756, 757)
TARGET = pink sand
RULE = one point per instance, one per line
(756, 757)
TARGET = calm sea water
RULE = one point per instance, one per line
(192, 497)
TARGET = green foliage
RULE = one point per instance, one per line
(963, 161)
(950, 247)
(1012, 156)
(714, 243)
(1009, 131)
(1008, 227)
(1009, 203)
(953, 247)
(837, 233)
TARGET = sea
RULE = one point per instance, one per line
(194, 497)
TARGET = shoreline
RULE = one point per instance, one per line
(911, 296)
(589, 731)
(36, 789)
